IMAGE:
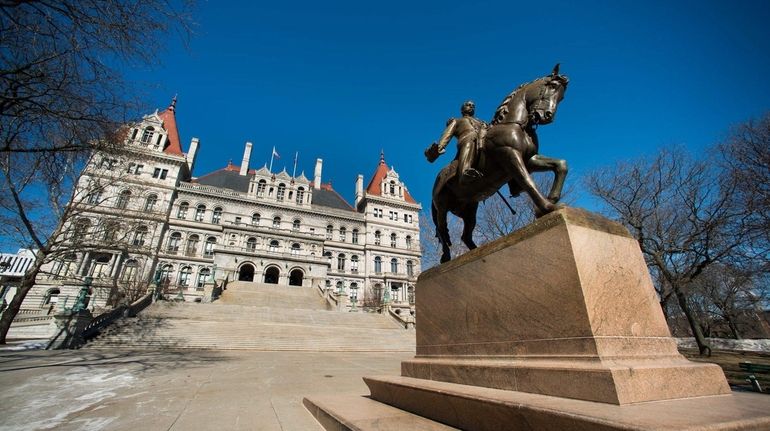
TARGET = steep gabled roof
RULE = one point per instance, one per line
(375, 185)
(169, 123)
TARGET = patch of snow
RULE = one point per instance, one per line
(760, 345)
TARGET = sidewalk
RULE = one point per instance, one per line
(184, 390)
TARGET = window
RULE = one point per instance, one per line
(392, 188)
(67, 266)
(255, 218)
(341, 262)
(216, 217)
(138, 169)
(129, 270)
(378, 264)
(378, 212)
(354, 236)
(160, 173)
(295, 224)
(99, 266)
(200, 211)
(281, 192)
(251, 244)
(184, 276)
(295, 249)
(182, 213)
(133, 134)
(149, 204)
(393, 239)
(80, 229)
(192, 245)
(147, 135)
(354, 263)
(410, 268)
(95, 196)
(174, 242)
(108, 164)
(273, 246)
(300, 195)
(406, 218)
(408, 241)
(261, 185)
(139, 235)
(277, 222)
(123, 199)
(208, 247)
(377, 237)
(328, 255)
(237, 220)
(110, 231)
(394, 265)
(390, 214)
(343, 234)
(203, 277)
(329, 231)
(165, 273)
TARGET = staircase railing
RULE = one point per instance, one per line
(406, 321)
(102, 321)
(140, 304)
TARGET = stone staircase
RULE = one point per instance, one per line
(254, 316)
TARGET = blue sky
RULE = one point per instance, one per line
(343, 80)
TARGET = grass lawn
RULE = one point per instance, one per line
(729, 360)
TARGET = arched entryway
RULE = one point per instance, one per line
(246, 273)
(271, 275)
(295, 277)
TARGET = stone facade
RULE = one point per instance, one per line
(144, 217)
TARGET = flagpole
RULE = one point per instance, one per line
(294, 172)
(271, 160)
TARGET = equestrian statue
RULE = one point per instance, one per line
(503, 152)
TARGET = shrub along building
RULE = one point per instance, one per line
(234, 224)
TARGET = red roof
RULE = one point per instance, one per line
(169, 123)
(375, 185)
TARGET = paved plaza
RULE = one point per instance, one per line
(176, 390)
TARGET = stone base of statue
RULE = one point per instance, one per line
(556, 326)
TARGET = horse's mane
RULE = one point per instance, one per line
(502, 110)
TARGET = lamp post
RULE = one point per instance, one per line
(81, 302)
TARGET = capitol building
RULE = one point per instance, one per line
(144, 219)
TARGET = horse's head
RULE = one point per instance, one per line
(544, 96)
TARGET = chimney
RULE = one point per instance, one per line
(246, 157)
(192, 153)
(317, 180)
(359, 189)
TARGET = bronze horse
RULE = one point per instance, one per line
(509, 154)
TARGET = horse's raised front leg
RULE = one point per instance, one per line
(540, 163)
(468, 215)
(520, 174)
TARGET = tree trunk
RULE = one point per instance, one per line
(733, 328)
(703, 346)
(15, 305)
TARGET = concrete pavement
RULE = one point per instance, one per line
(176, 390)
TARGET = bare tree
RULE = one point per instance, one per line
(62, 98)
(682, 213)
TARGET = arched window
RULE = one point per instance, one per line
(277, 222)
(123, 198)
(192, 245)
(165, 273)
(51, 297)
(377, 264)
(261, 186)
(149, 204)
(203, 277)
(341, 262)
(377, 237)
(80, 228)
(354, 236)
(295, 249)
(184, 276)
(408, 241)
(329, 231)
(394, 265)
(200, 211)
(328, 255)
(66, 266)
(410, 268)
(216, 217)
(208, 247)
(295, 224)
(251, 244)
(274, 246)
(99, 265)
(281, 192)
(182, 213)
(110, 230)
(174, 241)
(95, 196)
(340, 287)
(147, 135)
(354, 263)
(300, 195)
(393, 238)
(255, 218)
(343, 234)
(139, 235)
(130, 269)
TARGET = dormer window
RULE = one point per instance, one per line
(392, 188)
(147, 135)
(261, 185)
(300, 195)
(281, 192)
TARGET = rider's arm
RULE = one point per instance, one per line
(447, 135)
